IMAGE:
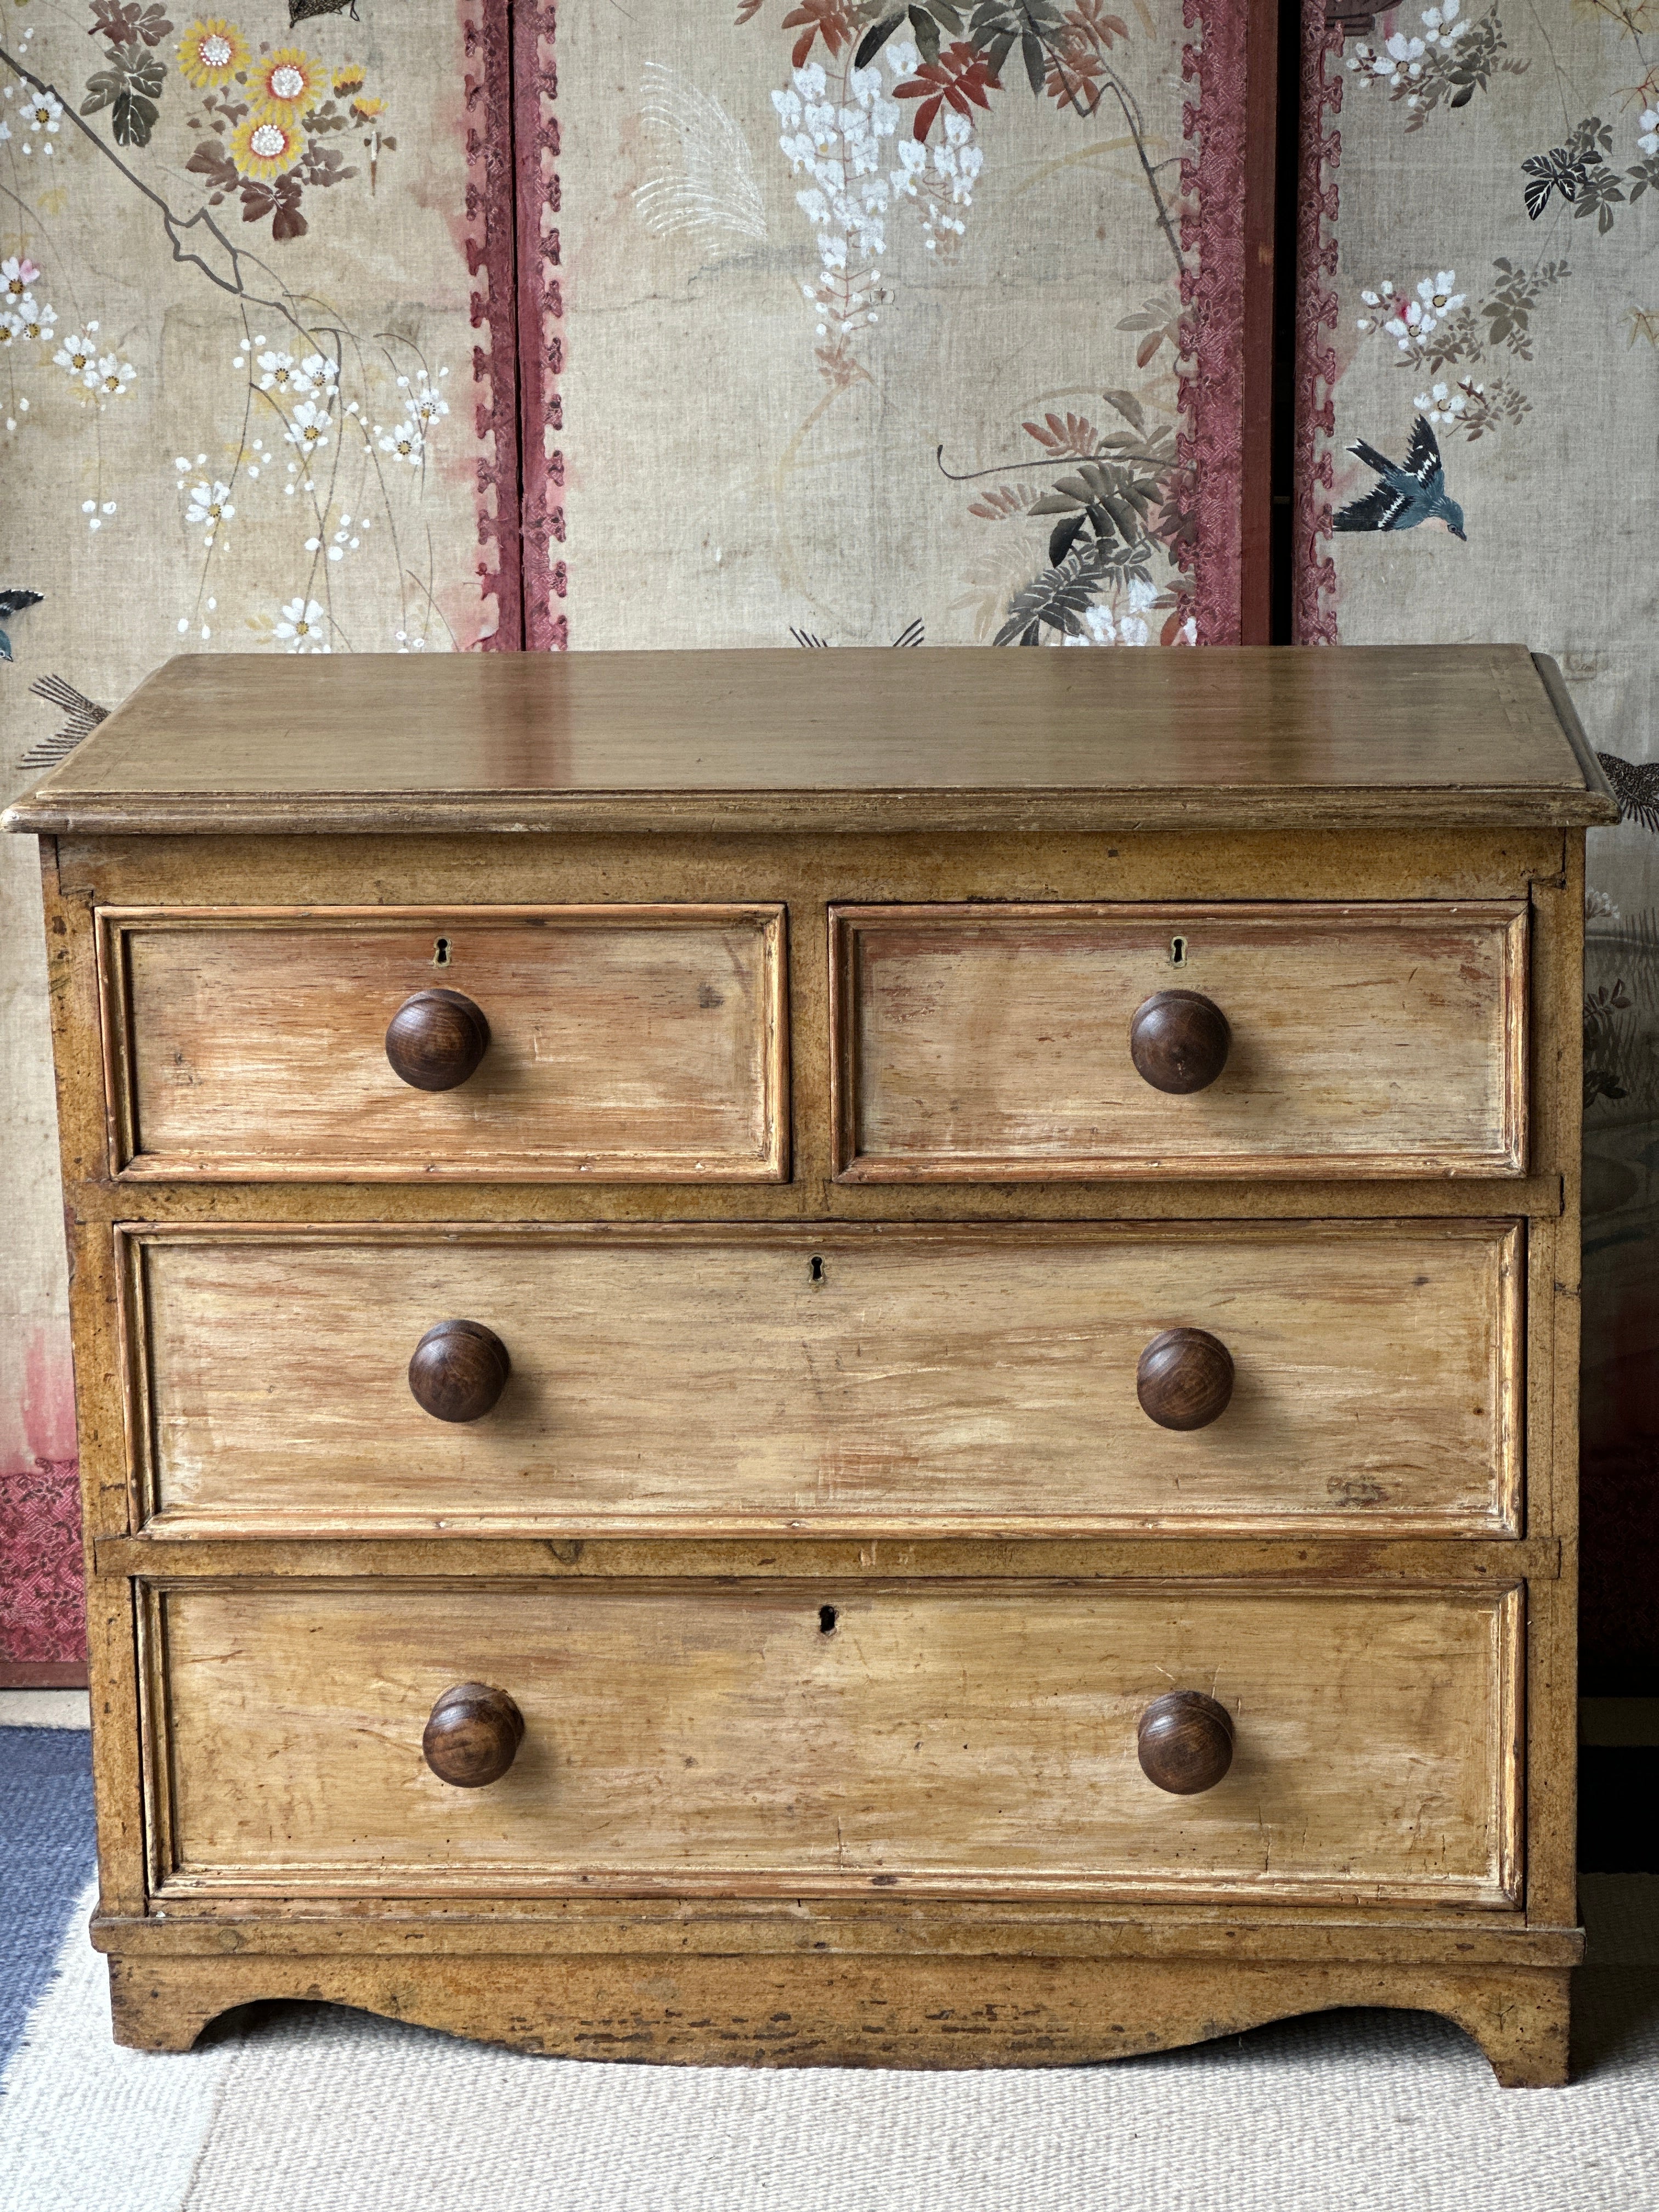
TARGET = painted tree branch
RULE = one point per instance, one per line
(172, 223)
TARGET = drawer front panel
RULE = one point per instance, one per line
(625, 1043)
(993, 1043)
(825, 1377)
(816, 1741)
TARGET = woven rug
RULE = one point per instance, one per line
(312, 2109)
(45, 1857)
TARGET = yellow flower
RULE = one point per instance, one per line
(289, 83)
(265, 146)
(350, 79)
(211, 52)
(368, 110)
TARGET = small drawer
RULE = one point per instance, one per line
(598, 1044)
(1006, 1043)
(1353, 1377)
(793, 1740)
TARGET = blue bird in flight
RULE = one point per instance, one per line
(1407, 496)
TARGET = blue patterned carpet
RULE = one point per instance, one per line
(45, 1859)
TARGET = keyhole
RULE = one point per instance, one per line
(827, 1618)
(815, 1269)
(1178, 952)
(441, 953)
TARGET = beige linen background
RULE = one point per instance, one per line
(1527, 334)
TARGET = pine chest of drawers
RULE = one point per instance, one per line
(861, 1359)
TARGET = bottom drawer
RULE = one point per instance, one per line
(778, 1739)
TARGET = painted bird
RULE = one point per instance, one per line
(1407, 496)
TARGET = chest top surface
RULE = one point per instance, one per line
(1326, 738)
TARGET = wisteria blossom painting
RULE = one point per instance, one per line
(889, 309)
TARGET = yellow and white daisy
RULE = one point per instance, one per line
(289, 83)
(211, 52)
(265, 147)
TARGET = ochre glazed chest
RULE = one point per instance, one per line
(860, 1358)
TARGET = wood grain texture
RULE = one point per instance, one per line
(948, 737)
(980, 1739)
(919, 2011)
(989, 1044)
(632, 1044)
(817, 1377)
(1318, 805)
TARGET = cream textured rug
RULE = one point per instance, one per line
(306, 2109)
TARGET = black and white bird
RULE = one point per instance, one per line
(1407, 494)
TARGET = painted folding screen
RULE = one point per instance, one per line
(823, 325)
(867, 327)
(256, 362)
(1479, 223)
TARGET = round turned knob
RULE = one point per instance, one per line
(458, 1371)
(1184, 1379)
(473, 1735)
(1185, 1741)
(436, 1039)
(1179, 1040)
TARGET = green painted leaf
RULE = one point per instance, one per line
(875, 39)
(132, 117)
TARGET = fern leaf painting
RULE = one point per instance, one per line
(703, 175)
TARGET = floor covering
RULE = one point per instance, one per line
(309, 2108)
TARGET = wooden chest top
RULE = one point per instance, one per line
(940, 738)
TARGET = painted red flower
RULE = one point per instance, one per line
(961, 76)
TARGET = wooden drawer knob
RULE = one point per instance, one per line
(1179, 1040)
(436, 1039)
(1184, 1379)
(473, 1735)
(1185, 1741)
(458, 1371)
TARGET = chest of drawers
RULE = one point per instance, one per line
(864, 1359)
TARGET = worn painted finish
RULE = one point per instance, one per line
(885, 1378)
(1389, 1039)
(645, 1044)
(532, 1968)
(925, 1741)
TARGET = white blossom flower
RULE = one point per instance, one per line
(113, 376)
(210, 503)
(1441, 404)
(9, 324)
(277, 372)
(428, 402)
(41, 111)
(1098, 627)
(316, 376)
(79, 356)
(405, 442)
(1599, 907)
(17, 275)
(1648, 142)
(302, 626)
(405, 643)
(1437, 294)
(36, 323)
(1133, 628)
(309, 428)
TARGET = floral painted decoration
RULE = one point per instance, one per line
(266, 147)
(211, 53)
(287, 84)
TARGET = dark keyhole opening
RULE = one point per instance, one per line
(827, 1618)
(815, 1269)
(441, 953)
(1178, 952)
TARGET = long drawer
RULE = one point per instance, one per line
(608, 1043)
(993, 1042)
(817, 1740)
(967, 1377)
